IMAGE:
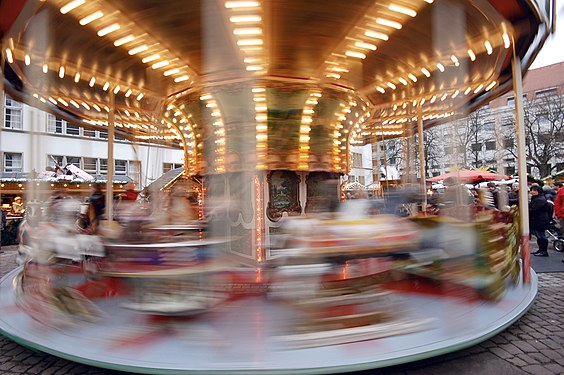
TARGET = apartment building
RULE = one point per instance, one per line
(31, 139)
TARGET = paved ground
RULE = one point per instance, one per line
(533, 345)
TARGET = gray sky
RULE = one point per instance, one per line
(553, 50)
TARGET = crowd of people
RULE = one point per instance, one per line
(546, 205)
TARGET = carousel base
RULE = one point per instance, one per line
(240, 336)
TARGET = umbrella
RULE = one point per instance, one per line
(472, 176)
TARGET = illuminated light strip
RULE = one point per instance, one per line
(376, 35)
(359, 55)
(125, 39)
(92, 17)
(305, 129)
(241, 4)
(138, 49)
(389, 23)
(488, 46)
(27, 60)
(261, 126)
(150, 58)
(366, 45)
(259, 217)
(506, 40)
(491, 86)
(171, 72)
(245, 19)
(338, 157)
(9, 56)
(70, 6)
(401, 9)
(160, 64)
(108, 29)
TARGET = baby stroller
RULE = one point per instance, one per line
(557, 241)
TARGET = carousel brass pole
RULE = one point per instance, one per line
(422, 166)
(522, 168)
(110, 165)
(385, 159)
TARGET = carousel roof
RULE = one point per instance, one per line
(295, 81)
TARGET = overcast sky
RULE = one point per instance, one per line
(553, 50)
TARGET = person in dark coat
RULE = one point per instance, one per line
(540, 215)
(97, 201)
(513, 195)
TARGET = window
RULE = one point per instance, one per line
(90, 165)
(52, 159)
(73, 130)
(104, 135)
(89, 133)
(546, 92)
(170, 166)
(103, 166)
(490, 145)
(12, 162)
(54, 125)
(120, 167)
(134, 170)
(509, 160)
(476, 147)
(489, 126)
(75, 160)
(508, 143)
(361, 179)
(510, 170)
(12, 113)
(356, 160)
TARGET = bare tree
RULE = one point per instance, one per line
(432, 149)
(544, 132)
(468, 138)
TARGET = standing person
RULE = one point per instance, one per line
(549, 193)
(559, 205)
(98, 202)
(2, 226)
(18, 207)
(492, 189)
(130, 193)
(540, 214)
(513, 195)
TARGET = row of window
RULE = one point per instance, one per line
(12, 162)
(13, 120)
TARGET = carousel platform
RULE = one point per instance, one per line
(245, 335)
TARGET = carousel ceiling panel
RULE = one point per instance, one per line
(307, 78)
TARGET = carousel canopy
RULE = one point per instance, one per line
(265, 84)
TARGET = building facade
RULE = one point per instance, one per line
(486, 138)
(32, 140)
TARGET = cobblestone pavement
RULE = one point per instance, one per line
(533, 345)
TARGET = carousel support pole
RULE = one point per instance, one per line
(422, 165)
(385, 159)
(110, 175)
(522, 168)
